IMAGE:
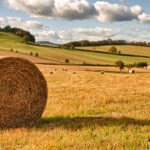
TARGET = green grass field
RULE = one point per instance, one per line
(125, 49)
(8, 41)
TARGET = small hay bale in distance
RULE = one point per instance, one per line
(74, 72)
(102, 72)
(131, 71)
(23, 93)
(51, 72)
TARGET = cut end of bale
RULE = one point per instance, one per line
(23, 93)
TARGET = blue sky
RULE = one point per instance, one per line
(69, 20)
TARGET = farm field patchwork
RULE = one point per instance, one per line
(10, 41)
(124, 49)
(88, 110)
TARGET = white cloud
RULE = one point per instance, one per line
(27, 25)
(139, 37)
(88, 34)
(137, 29)
(51, 36)
(76, 34)
(74, 9)
(77, 9)
(144, 18)
(68, 9)
(2, 21)
(114, 12)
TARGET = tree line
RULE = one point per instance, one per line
(25, 35)
(83, 43)
(120, 64)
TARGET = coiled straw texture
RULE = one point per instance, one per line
(23, 93)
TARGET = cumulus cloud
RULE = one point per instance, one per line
(138, 37)
(47, 36)
(137, 29)
(144, 18)
(27, 25)
(88, 34)
(2, 21)
(68, 9)
(77, 9)
(114, 12)
(92, 34)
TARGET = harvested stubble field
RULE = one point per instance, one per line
(88, 111)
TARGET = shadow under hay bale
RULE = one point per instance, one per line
(23, 93)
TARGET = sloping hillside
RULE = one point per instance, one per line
(10, 41)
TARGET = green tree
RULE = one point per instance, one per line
(37, 54)
(141, 64)
(67, 61)
(7, 28)
(26, 38)
(120, 64)
(113, 49)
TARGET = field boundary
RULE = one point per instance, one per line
(111, 53)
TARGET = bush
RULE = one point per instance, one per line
(113, 49)
(119, 64)
(31, 53)
(67, 61)
(141, 64)
(16, 51)
(26, 38)
(36, 54)
(11, 50)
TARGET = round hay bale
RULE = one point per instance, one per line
(102, 72)
(23, 93)
(51, 72)
(131, 71)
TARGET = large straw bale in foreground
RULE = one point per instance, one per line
(23, 93)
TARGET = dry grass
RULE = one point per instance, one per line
(88, 111)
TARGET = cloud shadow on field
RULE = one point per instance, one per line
(79, 123)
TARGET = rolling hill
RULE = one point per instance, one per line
(10, 41)
(124, 49)
(47, 43)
